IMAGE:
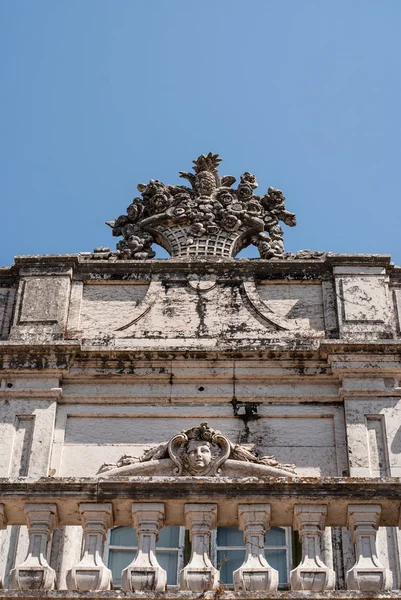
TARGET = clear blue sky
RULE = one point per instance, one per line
(99, 95)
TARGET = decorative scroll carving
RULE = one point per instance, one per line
(208, 219)
(200, 451)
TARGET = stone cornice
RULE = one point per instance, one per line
(282, 493)
(367, 357)
(85, 263)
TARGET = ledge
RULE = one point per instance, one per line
(220, 593)
(281, 493)
(84, 261)
(21, 355)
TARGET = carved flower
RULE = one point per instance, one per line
(135, 210)
(253, 207)
(206, 208)
(183, 198)
(236, 208)
(135, 243)
(278, 247)
(147, 238)
(224, 196)
(206, 212)
(153, 187)
(230, 222)
(273, 200)
(121, 245)
(197, 229)
(161, 202)
(263, 244)
(270, 220)
(244, 191)
(276, 232)
(247, 177)
(129, 230)
(177, 213)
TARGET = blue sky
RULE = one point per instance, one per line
(99, 95)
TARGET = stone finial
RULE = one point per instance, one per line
(255, 574)
(35, 572)
(209, 219)
(199, 575)
(145, 573)
(311, 574)
(91, 574)
(368, 574)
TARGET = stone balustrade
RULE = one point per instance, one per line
(201, 504)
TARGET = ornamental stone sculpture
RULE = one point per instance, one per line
(200, 451)
(209, 219)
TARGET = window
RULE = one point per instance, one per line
(229, 552)
(123, 545)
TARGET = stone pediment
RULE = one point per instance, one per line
(202, 452)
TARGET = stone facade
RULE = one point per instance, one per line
(200, 392)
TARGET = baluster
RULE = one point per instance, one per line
(35, 572)
(311, 574)
(368, 574)
(145, 573)
(200, 575)
(255, 574)
(91, 573)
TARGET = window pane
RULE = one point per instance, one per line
(118, 560)
(168, 562)
(228, 561)
(168, 537)
(275, 537)
(230, 536)
(123, 536)
(126, 536)
(277, 560)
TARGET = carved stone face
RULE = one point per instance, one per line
(199, 455)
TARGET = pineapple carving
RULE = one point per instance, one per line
(209, 219)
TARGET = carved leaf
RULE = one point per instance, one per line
(227, 180)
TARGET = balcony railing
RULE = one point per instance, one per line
(201, 504)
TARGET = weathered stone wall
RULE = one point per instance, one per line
(297, 358)
(200, 304)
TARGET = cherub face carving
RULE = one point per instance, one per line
(198, 451)
(198, 455)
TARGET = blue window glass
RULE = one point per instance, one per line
(123, 546)
(230, 552)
